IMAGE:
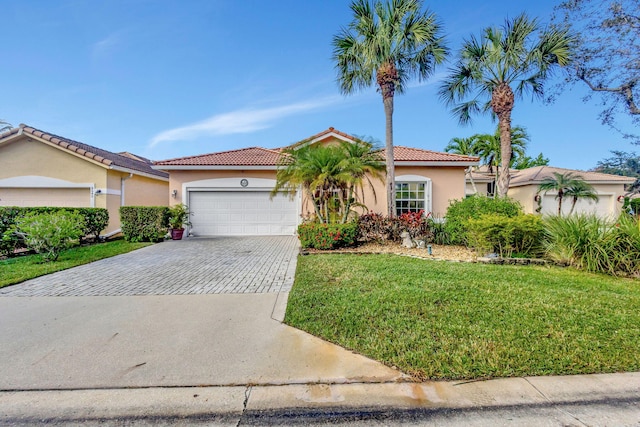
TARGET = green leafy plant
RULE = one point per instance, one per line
(178, 216)
(507, 236)
(595, 244)
(460, 212)
(50, 234)
(327, 236)
(144, 223)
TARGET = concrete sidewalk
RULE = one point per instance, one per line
(50, 343)
(592, 400)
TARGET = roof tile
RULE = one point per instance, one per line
(102, 156)
(252, 156)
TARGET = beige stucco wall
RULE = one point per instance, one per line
(26, 157)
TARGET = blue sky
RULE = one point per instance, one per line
(167, 79)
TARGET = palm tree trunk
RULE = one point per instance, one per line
(390, 177)
(504, 177)
(473, 183)
(573, 204)
(560, 196)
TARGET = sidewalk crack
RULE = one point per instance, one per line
(247, 394)
(554, 404)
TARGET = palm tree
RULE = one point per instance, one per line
(361, 164)
(330, 176)
(560, 183)
(489, 149)
(580, 190)
(387, 43)
(488, 68)
(463, 146)
(4, 125)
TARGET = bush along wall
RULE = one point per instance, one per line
(95, 220)
(520, 235)
(375, 227)
(327, 236)
(144, 223)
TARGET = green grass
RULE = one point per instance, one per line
(443, 320)
(19, 269)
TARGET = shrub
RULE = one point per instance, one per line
(520, 235)
(95, 220)
(594, 244)
(327, 236)
(460, 211)
(50, 233)
(144, 223)
(374, 227)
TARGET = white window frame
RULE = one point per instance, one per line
(417, 179)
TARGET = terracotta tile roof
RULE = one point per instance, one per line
(408, 154)
(94, 153)
(252, 156)
(319, 136)
(537, 174)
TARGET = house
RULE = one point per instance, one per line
(524, 183)
(228, 193)
(41, 169)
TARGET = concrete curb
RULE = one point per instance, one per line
(231, 403)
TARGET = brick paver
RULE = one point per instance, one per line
(191, 266)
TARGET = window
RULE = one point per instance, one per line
(410, 197)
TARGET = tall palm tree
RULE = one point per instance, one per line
(580, 190)
(387, 43)
(500, 66)
(561, 183)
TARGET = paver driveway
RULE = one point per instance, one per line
(190, 266)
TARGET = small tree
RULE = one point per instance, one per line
(561, 183)
(51, 233)
(580, 190)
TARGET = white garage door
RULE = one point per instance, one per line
(243, 213)
(604, 207)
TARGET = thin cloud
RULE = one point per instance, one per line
(108, 43)
(239, 121)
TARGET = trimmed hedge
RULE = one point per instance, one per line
(460, 212)
(327, 236)
(507, 236)
(144, 223)
(95, 221)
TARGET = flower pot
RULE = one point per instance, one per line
(176, 233)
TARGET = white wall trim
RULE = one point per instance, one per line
(428, 194)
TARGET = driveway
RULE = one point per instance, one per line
(191, 266)
(186, 313)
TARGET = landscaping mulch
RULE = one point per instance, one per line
(438, 252)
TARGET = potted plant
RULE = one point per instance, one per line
(178, 218)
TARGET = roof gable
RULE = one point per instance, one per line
(89, 152)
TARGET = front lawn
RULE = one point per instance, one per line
(21, 268)
(444, 320)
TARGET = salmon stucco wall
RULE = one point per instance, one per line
(178, 178)
(447, 183)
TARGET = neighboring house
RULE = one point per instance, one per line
(524, 188)
(228, 193)
(42, 169)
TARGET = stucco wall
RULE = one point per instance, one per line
(26, 157)
(178, 178)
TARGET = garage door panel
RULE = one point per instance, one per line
(215, 213)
